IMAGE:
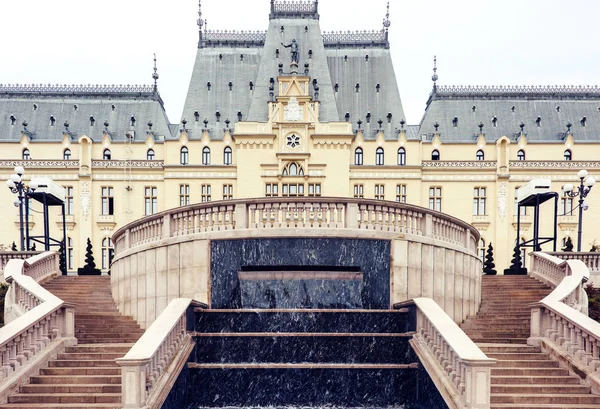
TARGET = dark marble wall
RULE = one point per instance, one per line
(370, 257)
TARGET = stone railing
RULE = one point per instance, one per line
(6, 256)
(459, 369)
(516, 90)
(559, 322)
(590, 258)
(145, 380)
(297, 213)
(45, 328)
(73, 89)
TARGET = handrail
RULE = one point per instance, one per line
(440, 342)
(150, 357)
(560, 319)
(6, 256)
(590, 258)
(296, 213)
(46, 318)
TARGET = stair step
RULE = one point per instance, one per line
(535, 380)
(71, 371)
(550, 398)
(79, 379)
(83, 363)
(65, 398)
(70, 388)
(540, 389)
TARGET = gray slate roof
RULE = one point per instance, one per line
(512, 106)
(75, 106)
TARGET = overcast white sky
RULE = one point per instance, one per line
(507, 42)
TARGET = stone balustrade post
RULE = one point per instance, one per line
(133, 383)
(352, 216)
(241, 216)
(537, 324)
(127, 239)
(167, 232)
(67, 325)
(428, 230)
(477, 382)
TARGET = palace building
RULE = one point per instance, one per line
(296, 111)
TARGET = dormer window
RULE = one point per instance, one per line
(583, 121)
(368, 117)
(568, 155)
(52, 120)
(208, 86)
(150, 154)
(132, 120)
(521, 154)
(495, 122)
(347, 116)
(92, 121)
(473, 108)
(455, 122)
(106, 155)
(435, 155)
(13, 119)
(26, 155)
(538, 121)
(196, 116)
(251, 84)
(67, 154)
(230, 85)
(389, 117)
(336, 87)
(480, 155)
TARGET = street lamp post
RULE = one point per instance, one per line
(583, 190)
(17, 186)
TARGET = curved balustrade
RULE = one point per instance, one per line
(145, 365)
(46, 323)
(590, 258)
(297, 213)
(444, 349)
(560, 323)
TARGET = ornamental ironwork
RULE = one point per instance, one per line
(459, 164)
(365, 37)
(298, 6)
(76, 89)
(516, 90)
(565, 164)
(235, 36)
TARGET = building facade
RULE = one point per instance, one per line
(318, 116)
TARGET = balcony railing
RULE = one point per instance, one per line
(298, 214)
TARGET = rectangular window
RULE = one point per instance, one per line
(435, 198)
(68, 200)
(479, 201)
(227, 192)
(566, 204)
(401, 193)
(292, 189)
(523, 209)
(314, 189)
(150, 200)
(379, 192)
(271, 190)
(184, 195)
(108, 200)
(359, 191)
(206, 193)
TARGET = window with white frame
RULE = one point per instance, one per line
(479, 201)
(227, 192)
(401, 193)
(435, 198)
(150, 200)
(314, 189)
(359, 191)
(184, 195)
(206, 195)
(271, 190)
(379, 192)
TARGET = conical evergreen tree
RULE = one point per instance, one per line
(516, 264)
(568, 245)
(14, 247)
(90, 264)
(488, 266)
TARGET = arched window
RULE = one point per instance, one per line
(521, 154)
(150, 154)
(435, 155)
(184, 155)
(206, 156)
(106, 155)
(26, 154)
(480, 155)
(293, 169)
(379, 157)
(108, 253)
(69, 253)
(568, 155)
(482, 249)
(227, 156)
(358, 156)
(67, 154)
(401, 157)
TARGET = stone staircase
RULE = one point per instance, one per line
(84, 376)
(523, 377)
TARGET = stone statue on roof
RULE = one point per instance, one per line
(295, 50)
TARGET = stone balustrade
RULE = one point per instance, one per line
(460, 370)
(169, 255)
(299, 213)
(6, 256)
(559, 322)
(45, 328)
(590, 258)
(145, 380)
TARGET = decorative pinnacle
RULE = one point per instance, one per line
(155, 75)
(386, 20)
(434, 77)
(200, 22)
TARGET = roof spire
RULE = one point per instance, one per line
(386, 20)
(155, 75)
(434, 77)
(200, 21)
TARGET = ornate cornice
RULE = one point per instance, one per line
(344, 39)
(511, 91)
(561, 164)
(39, 163)
(232, 38)
(153, 164)
(459, 164)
